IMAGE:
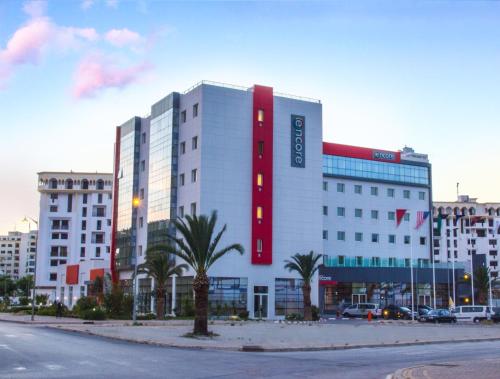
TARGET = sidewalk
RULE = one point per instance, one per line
(484, 369)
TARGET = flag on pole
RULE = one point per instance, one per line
(440, 221)
(400, 213)
(458, 217)
(421, 217)
(451, 303)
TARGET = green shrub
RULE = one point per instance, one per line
(94, 314)
(294, 317)
(42, 299)
(243, 315)
(147, 316)
(24, 300)
(84, 304)
(315, 313)
(117, 304)
(187, 307)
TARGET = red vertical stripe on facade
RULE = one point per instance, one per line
(262, 163)
(114, 274)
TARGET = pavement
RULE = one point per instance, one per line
(35, 351)
(271, 336)
(481, 368)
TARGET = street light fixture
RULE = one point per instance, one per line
(33, 301)
(135, 203)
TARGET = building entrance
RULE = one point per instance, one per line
(260, 303)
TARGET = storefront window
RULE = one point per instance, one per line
(288, 297)
(227, 296)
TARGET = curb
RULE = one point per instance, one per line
(261, 349)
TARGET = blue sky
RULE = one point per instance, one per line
(389, 74)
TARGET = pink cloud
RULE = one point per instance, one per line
(35, 8)
(122, 37)
(95, 73)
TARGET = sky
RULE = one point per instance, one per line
(425, 74)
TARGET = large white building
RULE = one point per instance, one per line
(74, 232)
(17, 254)
(258, 159)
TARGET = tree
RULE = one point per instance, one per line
(482, 283)
(160, 266)
(198, 248)
(7, 286)
(25, 284)
(306, 266)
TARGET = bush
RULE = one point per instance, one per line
(117, 304)
(24, 301)
(42, 299)
(294, 317)
(315, 313)
(147, 316)
(94, 314)
(187, 307)
(84, 304)
(243, 315)
(51, 310)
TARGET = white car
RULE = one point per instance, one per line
(361, 310)
(473, 313)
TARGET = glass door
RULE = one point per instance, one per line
(260, 303)
(358, 298)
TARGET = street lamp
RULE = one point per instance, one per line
(135, 203)
(33, 301)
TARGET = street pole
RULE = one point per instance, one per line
(33, 300)
(411, 273)
(134, 285)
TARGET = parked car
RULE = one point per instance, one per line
(361, 310)
(422, 309)
(495, 317)
(438, 315)
(396, 312)
(474, 313)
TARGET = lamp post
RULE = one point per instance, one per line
(136, 202)
(33, 301)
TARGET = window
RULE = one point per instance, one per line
(374, 237)
(392, 262)
(82, 252)
(260, 147)
(259, 213)
(139, 249)
(84, 224)
(53, 208)
(325, 210)
(375, 261)
(183, 147)
(406, 217)
(99, 198)
(99, 225)
(341, 211)
(143, 138)
(359, 261)
(84, 200)
(422, 240)
(358, 212)
(358, 237)
(181, 179)
(358, 189)
(325, 234)
(392, 238)
(421, 195)
(195, 110)
(100, 184)
(84, 212)
(143, 165)
(325, 186)
(390, 192)
(374, 214)
(407, 240)
(259, 246)
(53, 277)
(406, 194)
(70, 203)
(260, 115)
(340, 187)
(83, 238)
(98, 251)
(194, 143)
(341, 236)
(193, 176)
(141, 193)
(183, 116)
(53, 196)
(260, 180)
(374, 191)
(181, 211)
(193, 209)
(391, 216)
(141, 222)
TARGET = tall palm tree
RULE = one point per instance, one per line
(306, 266)
(198, 248)
(482, 283)
(160, 266)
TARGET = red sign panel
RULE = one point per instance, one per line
(361, 152)
(96, 273)
(72, 274)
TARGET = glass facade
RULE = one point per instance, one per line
(343, 261)
(128, 176)
(367, 169)
(227, 296)
(288, 297)
(162, 181)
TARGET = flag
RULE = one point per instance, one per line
(475, 219)
(421, 217)
(451, 303)
(439, 221)
(458, 217)
(400, 213)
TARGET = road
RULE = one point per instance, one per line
(38, 352)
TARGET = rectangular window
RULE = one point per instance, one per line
(143, 165)
(259, 213)
(260, 147)
(341, 235)
(374, 237)
(99, 225)
(406, 194)
(193, 176)
(391, 216)
(99, 198)
(53, 277)
(194, 143)
(82, 252)
(341, 211)
(141, 222)
(392, 238)
(260, 180)
(53, 208)
(406, 217)
(358, 212)
(260, 115)
(183, 148)
(390, 192)
(195, 110)
(84, 224)
(422, 240)
(83, 238)
(421, 195)
(325, 186)
(392, 262)
(325, 210)
(358, 189)
(359, 261)
(375, 261)
(181, 179)
(181, 211)
(183, 116)
(407, 240)
(84, 200)
(340, 187)
(358, 237)
(143, 138)
(325, 234)
(374, 191)
(193, 209)
(84, 211)
(259, 246)
(70, 203)
(141, 193)
(139, 250)
(374, 214)
(98, 251)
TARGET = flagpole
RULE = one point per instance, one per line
(431, 217)
(471, 261)
(411, 270)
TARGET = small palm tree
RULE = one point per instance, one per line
(198, 248)
(306, 266)
(160, 266)
(482, 283)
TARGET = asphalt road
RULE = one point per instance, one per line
(38, 352)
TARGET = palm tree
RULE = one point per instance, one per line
(160, 266)
(306, 266)
(482, 283)
(198, 248)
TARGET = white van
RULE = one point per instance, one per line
(473, 313)
(361, 310)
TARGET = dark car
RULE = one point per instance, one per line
(495, 317)
(422, 309)
(396, 312)
(438, 315)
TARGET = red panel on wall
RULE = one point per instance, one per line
(72, 274)
(361, 152)
(96, 273)
(114, 274)
(262, 176)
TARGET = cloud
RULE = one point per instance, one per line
(87, 4)
(35, 8)
(112, 3)
(96, 73)
(123, 37)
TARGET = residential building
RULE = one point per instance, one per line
(74, 232)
